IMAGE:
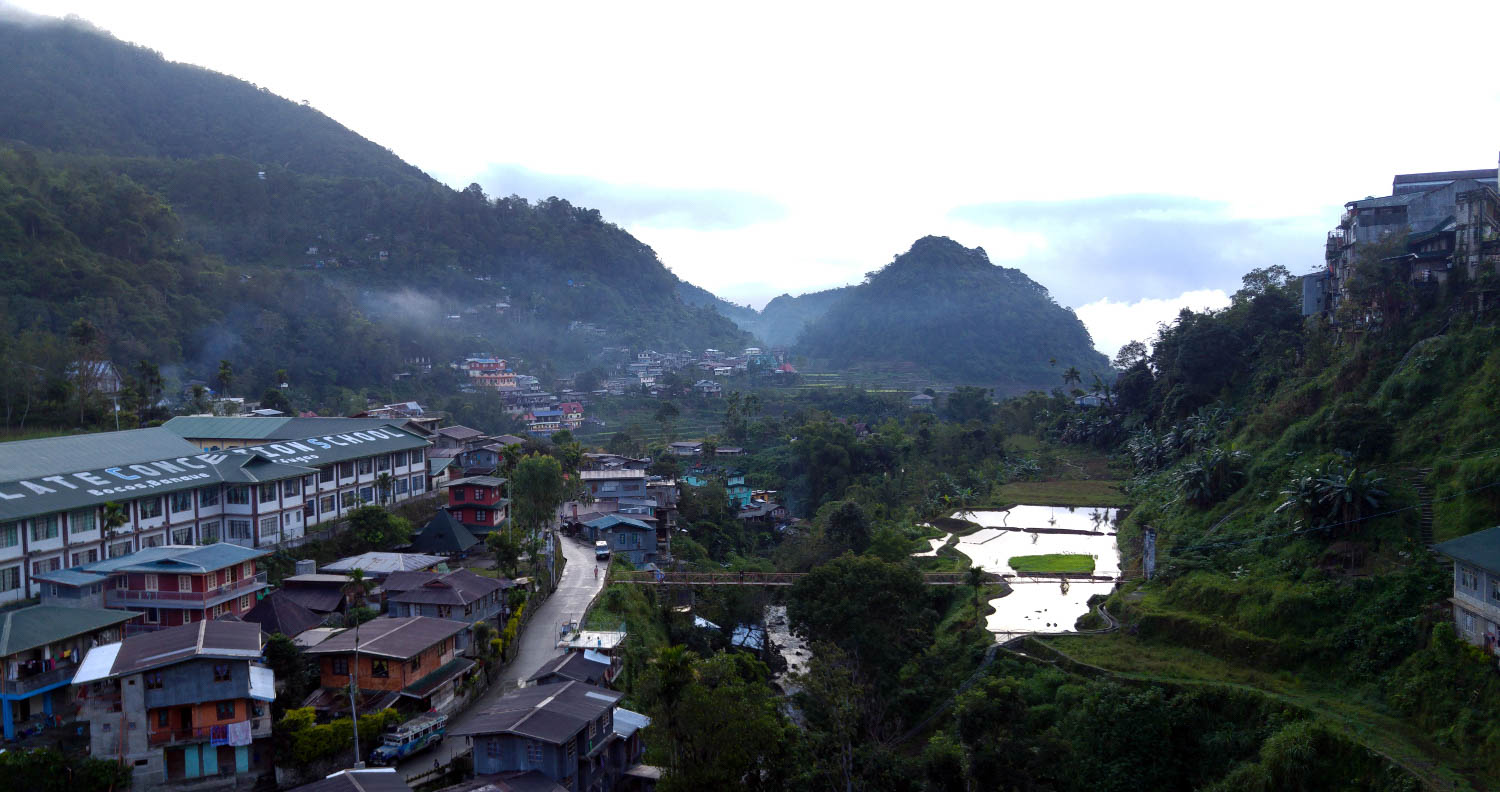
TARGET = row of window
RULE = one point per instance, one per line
(1469, 580)
(223, 710)
(85, 520)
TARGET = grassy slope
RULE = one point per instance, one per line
(1247, 597)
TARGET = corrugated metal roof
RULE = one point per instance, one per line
(27, 459)
(176, 559)
(614, 521)
(399, 639)
(227, 639)
(628, 722)
(1481, 548)
(207, 427)
(39, 625)
(381, 564)
(551, 713)
(94, 472)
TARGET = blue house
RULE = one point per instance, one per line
(567, 732)
(734, 483)
(628, 538)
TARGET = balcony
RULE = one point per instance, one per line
(26, 685)
(141, 598)
(259, 727)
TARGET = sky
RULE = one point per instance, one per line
(1132, 158)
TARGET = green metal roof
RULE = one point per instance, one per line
(25, 459)
(40, 625)
(114, 466)
(209, 427)
(1481, 548)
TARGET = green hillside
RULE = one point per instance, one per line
(194, 217)
(947, 310)
(1291, 472)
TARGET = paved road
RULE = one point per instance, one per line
(581, 580)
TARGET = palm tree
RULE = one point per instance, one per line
(1071, 376)
(975, 580)
(225, 377)
(358, 588)
(383, 484)
(114, 517)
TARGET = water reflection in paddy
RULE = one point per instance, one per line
(1042, 606)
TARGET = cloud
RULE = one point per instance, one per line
(1113, 324)
(1133, 247)
(638, 205)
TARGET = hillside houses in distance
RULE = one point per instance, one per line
(1449, 222)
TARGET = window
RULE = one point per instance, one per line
(184, 582)
(248, 568)
(417, 483)
(416, 456)
(401, 486)
(416, 664)
(119, 549)
(346, 499)
(212, 580)
(225, 710)
(325, 475)
(367, 494)
(43, 567)
(82, 521)
(340, 666)
(153, 680)
(208, 532)
(150, 508)
(1468, 622)
(328, 507)
(187, 617)
(365, 466)
(10, 534)
(183, 535)
(493, 749)
(287, 518)
(1495, 590)
(152, 616)
(163, 717)
(44, 527)
(182, 501)
(458, 493)
(208, 496)
(534, 751)
(1466, 577)
(151, 583)
(267, 493)
(237, 529)
(221, 672)
(269, 527)
(380, 669)
(480, 515)
(346, 470)
(237, 496)
(383, 462)
(10, 578)
(245, 603)
(151, 541)
(291, 488)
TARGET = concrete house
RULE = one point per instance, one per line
(1476, 586)
(185, 704)
(461, 596)
(564, 732)
(412, 662)
(40, 650)
(628, 538)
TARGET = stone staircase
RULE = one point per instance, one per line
(1424, 498)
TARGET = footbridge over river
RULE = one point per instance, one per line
(649, 578)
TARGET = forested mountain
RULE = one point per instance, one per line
(946, 310)
(195, 217)
(779, 323)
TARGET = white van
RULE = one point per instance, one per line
(601, 550)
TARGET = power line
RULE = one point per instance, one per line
(1330, 526)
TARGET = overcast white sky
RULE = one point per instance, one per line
(1130, 157)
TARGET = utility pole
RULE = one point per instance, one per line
(359, 762)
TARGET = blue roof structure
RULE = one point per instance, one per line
(610, 521)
